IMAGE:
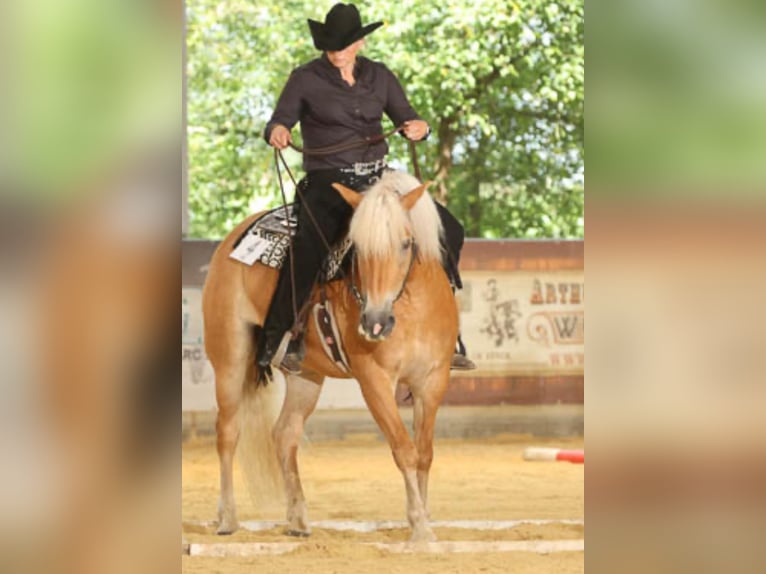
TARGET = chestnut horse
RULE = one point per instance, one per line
(398, 322)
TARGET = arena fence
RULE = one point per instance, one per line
(522, 318)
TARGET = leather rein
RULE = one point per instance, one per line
(331, 149)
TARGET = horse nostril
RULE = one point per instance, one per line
(385, 331)
(365, 323)
(376, 325)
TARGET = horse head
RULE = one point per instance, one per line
(386, 245)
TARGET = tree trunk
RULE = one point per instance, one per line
(473, 223)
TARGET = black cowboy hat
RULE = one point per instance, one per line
(342, 27)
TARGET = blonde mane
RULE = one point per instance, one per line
(380, 223)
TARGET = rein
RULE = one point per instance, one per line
(331, 149)
(360, 299)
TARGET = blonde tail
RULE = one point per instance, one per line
(257, 452)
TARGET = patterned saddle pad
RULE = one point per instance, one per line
(266, 241)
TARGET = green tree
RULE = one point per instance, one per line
(501, 84)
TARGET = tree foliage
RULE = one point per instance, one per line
(500, 82)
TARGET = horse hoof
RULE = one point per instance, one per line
(298, 533)
(423, 536)
(225, 529)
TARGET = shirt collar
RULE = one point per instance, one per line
(359, 66)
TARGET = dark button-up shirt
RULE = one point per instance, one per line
(332, 112)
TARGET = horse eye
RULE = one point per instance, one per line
(406, 243)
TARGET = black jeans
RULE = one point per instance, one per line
(332, 215)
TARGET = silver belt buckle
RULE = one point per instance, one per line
(366, 168)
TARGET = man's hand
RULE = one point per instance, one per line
(415, 130)
(280, 137)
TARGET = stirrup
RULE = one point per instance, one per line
(291, 364)
(290, 354)
(461, 363)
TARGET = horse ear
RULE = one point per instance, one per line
(409, 200)
(349, 195)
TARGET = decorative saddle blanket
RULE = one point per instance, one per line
(267, 241)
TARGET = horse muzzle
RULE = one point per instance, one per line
(376, 325)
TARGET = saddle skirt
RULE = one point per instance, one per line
(267, 241)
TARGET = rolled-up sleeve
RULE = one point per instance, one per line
(397, 106)
(288, 110)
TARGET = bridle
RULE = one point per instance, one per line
(360, 299)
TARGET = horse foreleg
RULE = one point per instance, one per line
(300, 399)
(426, 399)
(379, 396)
(424, 443)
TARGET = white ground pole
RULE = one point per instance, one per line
(223, 549)
(245, 549)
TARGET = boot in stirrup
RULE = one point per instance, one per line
(291, 362)
(459, 360)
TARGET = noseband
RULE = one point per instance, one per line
(360, 299)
